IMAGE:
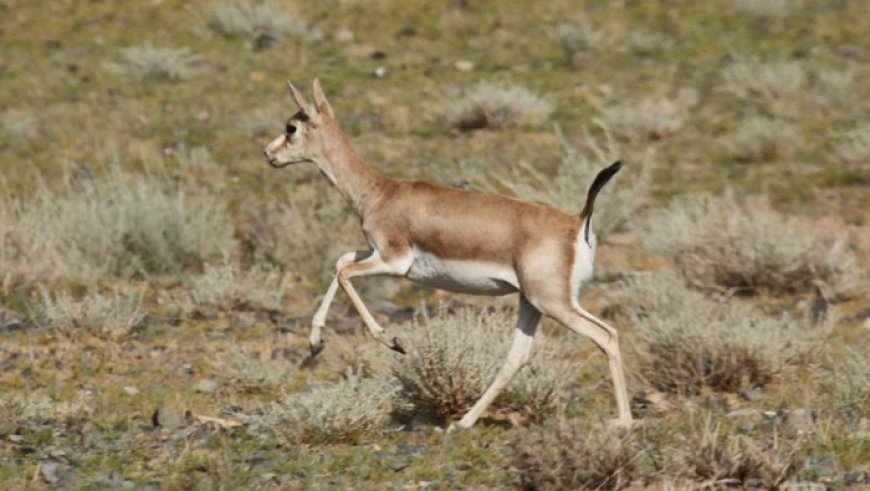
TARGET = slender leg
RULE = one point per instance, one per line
(315, 339)
(520, 351)
(605, 337)
(370, 266)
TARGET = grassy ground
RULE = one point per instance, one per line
(670, 82)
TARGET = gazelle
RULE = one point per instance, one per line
(456, 240)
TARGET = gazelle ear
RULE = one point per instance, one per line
(300, 99)
(320, 101)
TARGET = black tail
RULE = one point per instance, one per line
(600, 180)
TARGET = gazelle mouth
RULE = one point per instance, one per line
(273, 162)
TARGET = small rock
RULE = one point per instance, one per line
(860, 435)
(49, 471)
(753, 394)
(380, 72)
(165, 418)
(823, 465)
(258, 76)
(265, 41)
(399, 466)
(205, 386)
(11, 321)
(343, 36)
(15, 438)
(744, 413)
(654, 399)
(801, 420)
(464, 66)
(130, 390)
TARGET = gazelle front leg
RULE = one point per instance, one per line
(315, 339)
(370, 266)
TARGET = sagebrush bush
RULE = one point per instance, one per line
(723, 348)
(582, 37)
(836, 86)
(726, 243)
(228, 288)
(148, 62)
(117, 226)
(243, 19)
(344, 412)
(751, 76)
(489, 106)
(452, 359)
(616, 206)
(855, 146)
(251, 373)
(763, 8)
(567, 455)
(305, 234)
(110, 316)
(651, 118)
(761, 138)
(713, 456)
(27, 407)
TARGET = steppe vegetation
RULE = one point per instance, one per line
(157, 278)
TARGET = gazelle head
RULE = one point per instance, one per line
(306, 133)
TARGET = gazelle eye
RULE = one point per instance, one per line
(290, 129)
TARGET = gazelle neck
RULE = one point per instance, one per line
(360, 185)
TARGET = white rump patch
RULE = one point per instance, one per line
(584, 255)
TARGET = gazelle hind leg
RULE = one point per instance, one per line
(605, 337)
(370, 266)
(520, 351)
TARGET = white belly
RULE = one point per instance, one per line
(479, 278)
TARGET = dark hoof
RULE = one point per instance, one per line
(397, 346)
(316, 348)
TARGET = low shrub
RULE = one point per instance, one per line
(761, 138)
(489, 106)
(729, 244)
(769, 79)
(345, 412)
(228, 288)
(109, 316)
(243, 19)
(855, 146)
(148, 62)
(452, 359)
(567, 455)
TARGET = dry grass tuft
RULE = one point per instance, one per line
(836, 86)
(242, 19)
(147, 62)
(27, 407)
(652, 118)
(726, 243)
(763, 8)
(108, 316)
(761, 138)
(582, 37)
(616, 205)
(750, 76)
(344, 412)
(855, 146)
(489, 106)
(228, 288)
(112, 227)
(729, 460)
(453, 358)
(707, 345)
(251, 373)
(567, 456)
